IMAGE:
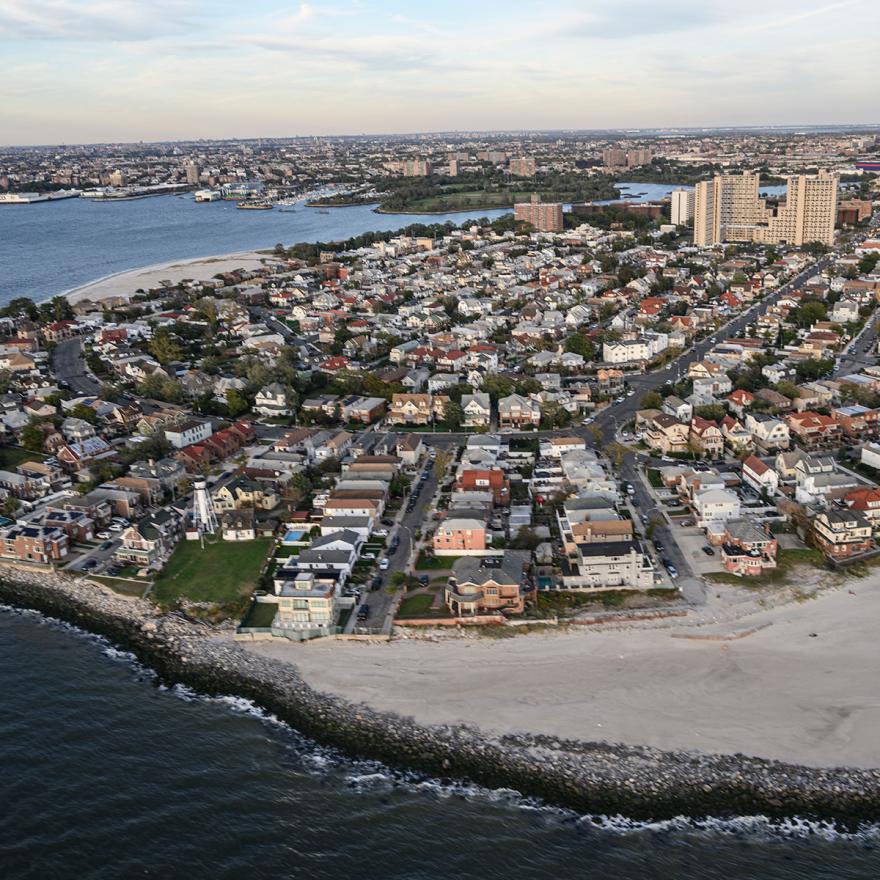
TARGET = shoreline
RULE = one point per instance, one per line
(589, 777)
(104, 287)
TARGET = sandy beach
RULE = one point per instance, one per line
(776, 693)
(124, 284)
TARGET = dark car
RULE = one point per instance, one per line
(363, 612)
(395, 543)
(708, 550)
(658, 545)
(424, 580)
(667, 562)
(90, 563)
(387, 522)
(376, 583)
(106, 545)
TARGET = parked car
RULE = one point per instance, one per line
(363, 612)
(90, 564)
(376, 583)
(115, 527)
(709, 551)
(658, 545)
(368, 555)
(424, 580)
(383, 565)
(381, 533)
(387, 522)
(106, 545)
(673, 571)
(395, 543)
(104, 536)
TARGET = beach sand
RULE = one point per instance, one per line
(124, 284)
(776, 693)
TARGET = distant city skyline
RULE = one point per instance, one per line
(82, 71)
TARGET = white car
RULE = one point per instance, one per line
(116, 527)
(103, 536)
(368, 555)
(383, 565)
(381, 533)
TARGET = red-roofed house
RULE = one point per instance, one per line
(706, 438)
(811, 429)
(760, 476)
(740, 401)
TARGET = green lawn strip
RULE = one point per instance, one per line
(435, 563)
(10, 456)
(222, 572)
(421, 605)
(260, 614)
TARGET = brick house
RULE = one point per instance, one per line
(34, 543)
(458, 533)
(486, 480)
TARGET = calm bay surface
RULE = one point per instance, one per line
(51, 247)
(105, 775)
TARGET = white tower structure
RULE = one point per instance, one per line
(204, 518)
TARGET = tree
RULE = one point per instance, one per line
(86, 413)
(236, 403)
(32, 437)
(525, 539)
(163, 347)
(651, 400)
(808, 313)
(580, 343)
(454, 416)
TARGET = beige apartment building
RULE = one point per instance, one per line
(543, 216)
(729, 208)
(522, 166)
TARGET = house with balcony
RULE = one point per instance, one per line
(417, 409)
(490, 585)
(150, 542)
(491, 480)
(769, 434)
(747, 548)
(705, 438)
(272, 402)
(33, 543)
(665, 434)
(713, 507)
(477, 409)
(518, 413)
(307, 606)
(812, 430)
(603, 565)
(842, 533)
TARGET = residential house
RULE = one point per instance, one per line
(842, 533)
(33, 543)
(811, 429)
(272, 402)
(747, 548)
(770, 434)
(490, 585)
(187, 433)
(417, 409)
(477, 409)
(150, 542)
(665, 434)
(760, 476)
(705, 438)
(459, 534)
(516, 412)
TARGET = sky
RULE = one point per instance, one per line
(85, 71)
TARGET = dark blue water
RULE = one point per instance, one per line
(104, 776)
(48, 248)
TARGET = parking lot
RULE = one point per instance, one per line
(691, 541)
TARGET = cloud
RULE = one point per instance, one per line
(633, 18)
(93, 20)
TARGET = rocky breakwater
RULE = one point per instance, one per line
(596, 778)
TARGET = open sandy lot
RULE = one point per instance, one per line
(778, 693)
(124, 284)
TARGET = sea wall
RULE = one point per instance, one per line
(589, 777)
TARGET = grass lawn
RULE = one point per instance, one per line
(260, 614)
(286, 552)
(419, 605)
(654, 478)
(223, 572)
(435, 563)
(10, 456)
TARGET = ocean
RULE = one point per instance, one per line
(106, 774)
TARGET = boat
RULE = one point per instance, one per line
(254, 205)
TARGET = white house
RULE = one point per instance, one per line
(477, 409)
(713, 507)
(760, 476)
(188, 433)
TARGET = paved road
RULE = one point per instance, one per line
(69, 365)
(408, 523)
